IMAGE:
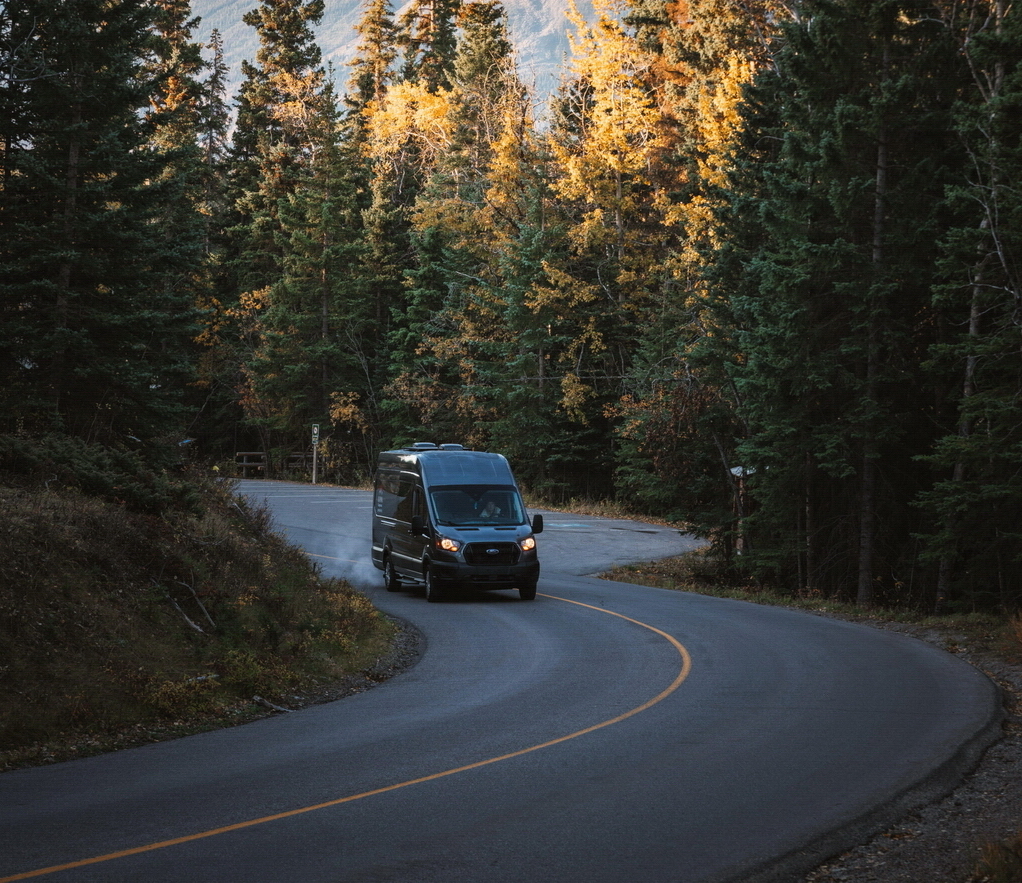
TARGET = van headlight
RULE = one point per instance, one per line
(447, 544)
(528, 544)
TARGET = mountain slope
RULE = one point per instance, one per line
(539, 30)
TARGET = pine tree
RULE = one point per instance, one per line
(824, 276)
(279, 100)
(319, 329)
(214, 126)
(678, 415)
(372, 67)
(429, 37)
(286, 126)
(406, 135)
(20, 69)
(98, 340)
(974, 503)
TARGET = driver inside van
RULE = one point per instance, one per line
(490, 510)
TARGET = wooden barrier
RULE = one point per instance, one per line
(252, 464)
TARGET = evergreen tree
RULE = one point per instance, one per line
(678, 416)
(214, 126)
(405, 136)
(372, 67)
(320, 329)
(280, 100)
(189, 120)
(285, 133)
(486, 86)
(20, 67)
(429, 37)
(484, 64)
(824, 276)
(96, 301)
(974, 505)
(219, 376)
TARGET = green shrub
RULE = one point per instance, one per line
(120, 476)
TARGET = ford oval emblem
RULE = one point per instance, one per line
(493, 551)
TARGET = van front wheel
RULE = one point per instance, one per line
(432, 591)
(527, 592)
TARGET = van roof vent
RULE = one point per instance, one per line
(451, 447)
(422, 446)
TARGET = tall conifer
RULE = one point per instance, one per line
(286, 126)
(825, 268)
(678, 423)
(96, 313)
(372, 66)
(429, 37)
(975, 502)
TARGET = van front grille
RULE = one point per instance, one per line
(492, 553)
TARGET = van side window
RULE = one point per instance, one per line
(393, 492)
(406, 484)
(385, 502)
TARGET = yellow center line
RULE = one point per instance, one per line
(686, 667)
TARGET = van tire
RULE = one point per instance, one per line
(433, 593)
(527, 592)
(390, 577)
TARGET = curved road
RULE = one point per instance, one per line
(603, 732)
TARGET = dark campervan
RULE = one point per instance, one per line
(446, 516)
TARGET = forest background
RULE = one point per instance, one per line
(754, 270)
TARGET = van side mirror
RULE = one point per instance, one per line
(537, 523)
(418, 528)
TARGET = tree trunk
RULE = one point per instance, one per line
(945, 566)
(870, 451)
(61, 318)
(812, 552)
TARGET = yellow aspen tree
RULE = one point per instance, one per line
(468, 313)
(608, 164)
(607, 148)
(677, 416)
(514, 171)
(410, 126)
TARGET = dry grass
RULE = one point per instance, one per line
(118, 627)
(1000, 862)
(698, 572)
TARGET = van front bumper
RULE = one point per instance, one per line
(487, 576)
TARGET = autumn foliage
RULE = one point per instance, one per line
(751, 267)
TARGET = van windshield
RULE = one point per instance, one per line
(477, 505)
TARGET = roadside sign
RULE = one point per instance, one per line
(315, 450)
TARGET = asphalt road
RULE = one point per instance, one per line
(603, 732)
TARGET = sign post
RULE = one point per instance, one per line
(315, 450)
